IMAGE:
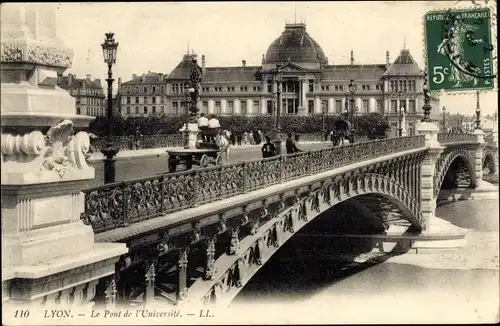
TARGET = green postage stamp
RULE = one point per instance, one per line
(459, 50)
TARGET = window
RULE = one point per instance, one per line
(394, 86)
(269, 107)
(137, 100)
(205, 89)
(137, 109)
(162, 89)
(256, 89)
(256, 107)
(269, 86)
(325, 88)
(162, 99)
(204, 107)
(154, 89)
(378, 87)
(128, 100)
(77, 101)
(230, 89)
(145, 89)
(154, 109)
(380, 106)
(230, 107)
(78, 111)
(145, 109)
(175, 88)
(311, 106)
(217, 89)
(154, 99)
(365, 106)
(412, 86)
(145, 100)
(311, 86)
(243, 107)
(128, 109)
(338, 106)
(217, 107)
(412, 107)
(324, 106)
(175, 108)
(394, 106)
(162, 109)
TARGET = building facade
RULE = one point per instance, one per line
(144, 95)
(89, 95)
(309, 84)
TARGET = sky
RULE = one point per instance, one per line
(154, 36)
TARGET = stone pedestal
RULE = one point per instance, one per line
(192, 134)
(48, 254)
(427, 199)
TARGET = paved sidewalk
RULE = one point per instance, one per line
(97, 156)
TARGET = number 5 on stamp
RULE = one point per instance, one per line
(459, 50)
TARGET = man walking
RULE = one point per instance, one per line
(268, 149)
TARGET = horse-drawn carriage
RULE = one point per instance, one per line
(211, 145)
(343, 130)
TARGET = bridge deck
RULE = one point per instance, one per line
(193, 214)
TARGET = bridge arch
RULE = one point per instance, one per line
(489, 161)
(452, 161)
(232, 272)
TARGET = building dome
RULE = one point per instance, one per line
(295, 45)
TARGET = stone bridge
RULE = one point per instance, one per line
(200, 235)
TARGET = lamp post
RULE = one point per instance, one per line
(187, 116)
(444, 119)
(277, 128)
(478, 112)
(109, 49)
(323, 117)
(349, 95)
(427, 99)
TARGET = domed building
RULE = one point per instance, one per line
(309, 84)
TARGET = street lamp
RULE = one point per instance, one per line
(478, 112)
(444, 119)
(189, 92)
(109, 49)
(323, 116)
(427, 99)
(277, 128)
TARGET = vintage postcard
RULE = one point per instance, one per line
(234, 163)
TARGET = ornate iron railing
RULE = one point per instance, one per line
(160, 141)
(120, 204)
(444, 138)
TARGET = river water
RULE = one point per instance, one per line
(454, 285)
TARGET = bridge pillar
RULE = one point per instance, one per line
(47, 251)
(478, 163)
(427, 175)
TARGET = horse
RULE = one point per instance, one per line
(222, 141)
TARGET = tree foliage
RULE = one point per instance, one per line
(372, 125)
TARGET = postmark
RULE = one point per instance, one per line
(459, 49)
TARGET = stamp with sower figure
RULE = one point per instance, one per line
(459, 49)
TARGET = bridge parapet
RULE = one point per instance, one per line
(120, 204)
(444, 138)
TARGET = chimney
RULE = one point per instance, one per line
(70, 79)
(203, 61)
(88, 76)
(98, 82)
(143, 76)
(119, 84)
(59, 78)
(160, 77)
(387, 58)
(352, 57)
(134, 76)
(244, 63)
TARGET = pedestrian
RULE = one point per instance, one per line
(290, 146)
(232, 138)
(268, 149)
(296, 144)
(213, 128)
(138, 138)
(239, 138)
